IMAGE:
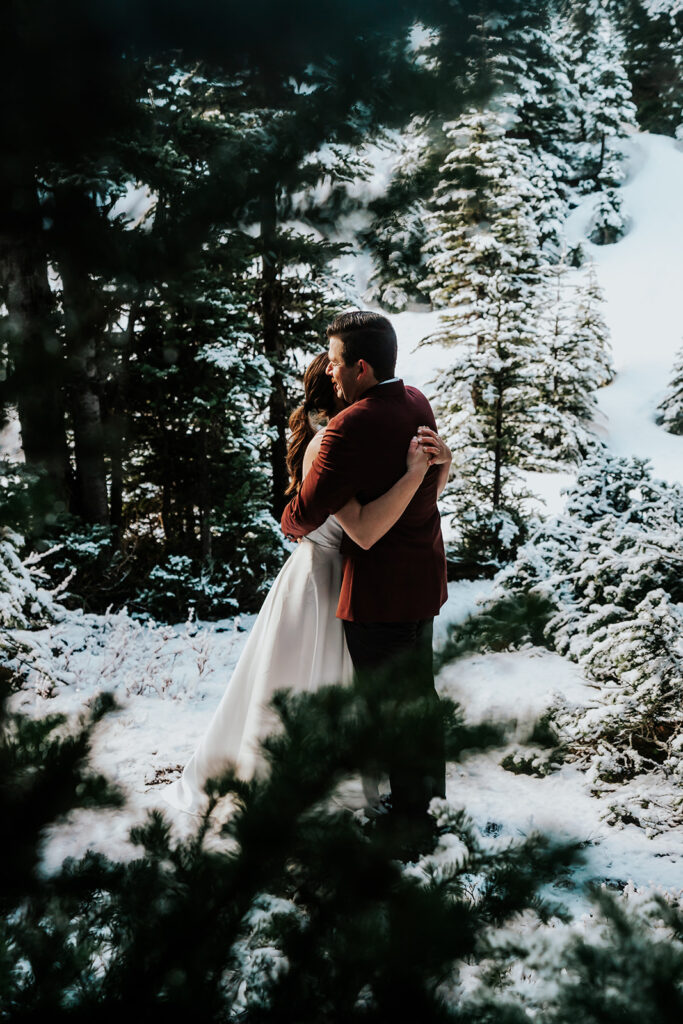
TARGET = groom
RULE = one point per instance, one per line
(391, 592)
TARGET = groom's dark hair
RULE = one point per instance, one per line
(367, 336)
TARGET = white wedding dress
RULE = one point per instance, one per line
(297, 642)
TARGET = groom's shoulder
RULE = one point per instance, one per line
(345, 423)
(355, 413)
(415, 394)
(344, 416)
(351, 424)
(417, 400)
(356, 416)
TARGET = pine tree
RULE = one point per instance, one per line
(486, 265)
(671, 407)
(52, 118)
(89, 253)
(634, 660)
(591, 336)
(166, 385)
(609, 222)
(629, 969)
(609, 110)
(605, 112)
(22, 601)
(398, 230)
(521, 63)
(576, 362)
(611, 566)
(537, 91)
(451, 53)
(653, 40)
(196, 441)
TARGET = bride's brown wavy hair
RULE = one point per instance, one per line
(320, 400)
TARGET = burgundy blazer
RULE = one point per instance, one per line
(401, 578)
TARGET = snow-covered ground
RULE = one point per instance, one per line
(168, 680)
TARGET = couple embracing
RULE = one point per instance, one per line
(360, 592)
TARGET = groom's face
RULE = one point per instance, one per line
(345, 378)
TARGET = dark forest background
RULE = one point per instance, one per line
(177, 185)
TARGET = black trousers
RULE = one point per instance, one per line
(394, 669)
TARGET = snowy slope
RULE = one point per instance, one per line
(642, 278)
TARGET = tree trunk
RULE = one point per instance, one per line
(169, 516)
(116, 426)
(273, 347)
(205, 500)
(84, 399)
(84, 321)
(498, 453)
(35, 350)
(601, 158)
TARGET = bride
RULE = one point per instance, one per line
(297, 642)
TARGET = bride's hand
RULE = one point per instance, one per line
(435, 447)
(417, 459)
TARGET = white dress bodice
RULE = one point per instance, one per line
(328, 535)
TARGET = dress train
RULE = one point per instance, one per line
(297, 642)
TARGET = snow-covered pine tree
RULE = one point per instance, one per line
(670, 411)
(638, 662)
(26, 497)
(447, 74)
(576, 361)
(400, 230)
(604, 112)
(653, 36)
(611, 565)
(397, 232)
(163, 298)
(562, 399)
(615, 543)
(605, 109)
(609, 111)
(23, 602)
(627, 968)
(534, 75)
(535, 89)
(515, 62)
(590, 336)
(518, 70)
(197, 440)
(486, 268)
(609, 221)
